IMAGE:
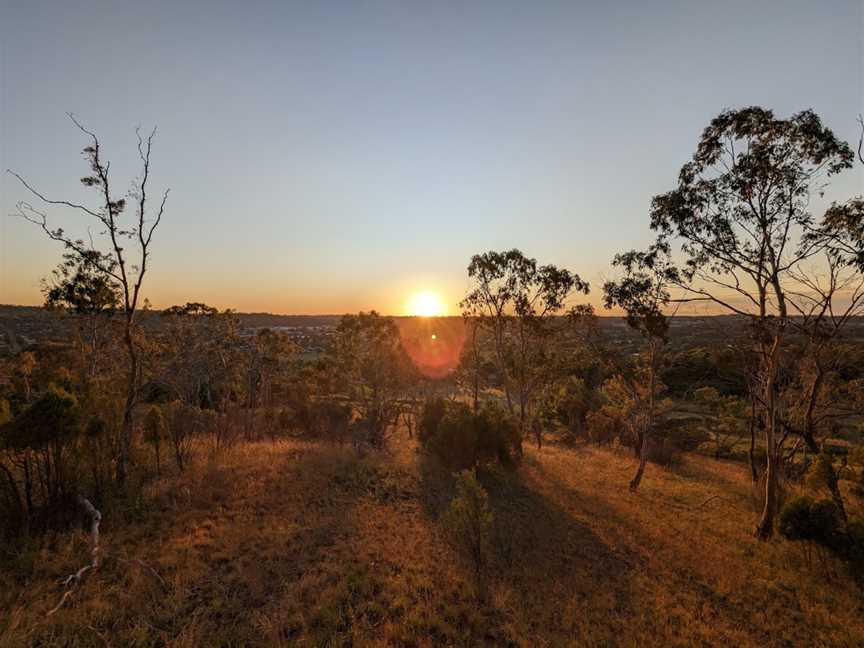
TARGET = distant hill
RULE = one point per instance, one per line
(22, 326)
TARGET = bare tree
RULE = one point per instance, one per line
(825, 305)
(861, 139)
(127, 267)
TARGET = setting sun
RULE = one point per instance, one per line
(425, 304)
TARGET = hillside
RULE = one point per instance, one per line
(23, 326)
(299, 544)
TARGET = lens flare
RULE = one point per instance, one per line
(433, 344)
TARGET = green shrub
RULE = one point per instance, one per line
(794, 522)
(329, 421)
(684, 435)
(5, 411)
(814, 523)
(854, 549)
(663, 452)
(677, 437)
(430, 418)
(182, 423)
(154, 431)
(468, 524)
(463, 439)
(818, 521)
(856, 459)
(603, 427)
(498, 437)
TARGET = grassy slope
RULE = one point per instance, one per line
(294, 544)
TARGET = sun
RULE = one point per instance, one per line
(425, 303)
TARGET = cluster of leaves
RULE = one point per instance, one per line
(514, 300)
(370, 367)
(822, 525)
(36, 443)
(818, 526)
(468, 523)
(725, 421)
(462, 438)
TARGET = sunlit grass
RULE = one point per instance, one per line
(300, 544)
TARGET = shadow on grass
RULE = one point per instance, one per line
(251, 534)
(543, 554)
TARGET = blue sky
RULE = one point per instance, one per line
(335, 156)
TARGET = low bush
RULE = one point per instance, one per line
(676, 438)
(430, 418)
(817, 525)
(603, 427)
(468, 524)
(330, 421)
(155, 432)
(184, 422)
(854, 549)
(461, 438)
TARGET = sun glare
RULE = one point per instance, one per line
(425, 304)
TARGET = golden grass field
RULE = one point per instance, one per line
(293, 544)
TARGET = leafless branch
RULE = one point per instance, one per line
(861, 139)
(72, 580)
(49, 201)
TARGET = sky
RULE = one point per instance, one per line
(327, 157)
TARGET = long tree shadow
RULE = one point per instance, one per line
(542, 553)
(663, 558)
(252, 534)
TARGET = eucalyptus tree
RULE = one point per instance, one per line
(79, 288)
(371, 366)
(37, 442)
(473, 371)
(824, 306)
(516, 300)
(740, 213)
(125, 252)
(270, 352)
(200, 354)
(642, 292)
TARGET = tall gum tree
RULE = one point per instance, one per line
(515, 300)
(124, 254)
(642, 292)
(740, 214)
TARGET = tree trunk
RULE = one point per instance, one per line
(476, 390)
(809, 432)
(643, 459)
(537, 429)
(522, 415)
(28, 494)
(16, 493)
(765, 528)
(649, 428)
(129, 408)
(754, 472)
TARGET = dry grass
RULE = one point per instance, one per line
(303, 545)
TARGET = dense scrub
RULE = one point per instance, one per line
(461, 438)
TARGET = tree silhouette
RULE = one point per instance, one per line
(643, 293)
(116, 263)
(741, 215)
(515, 299)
